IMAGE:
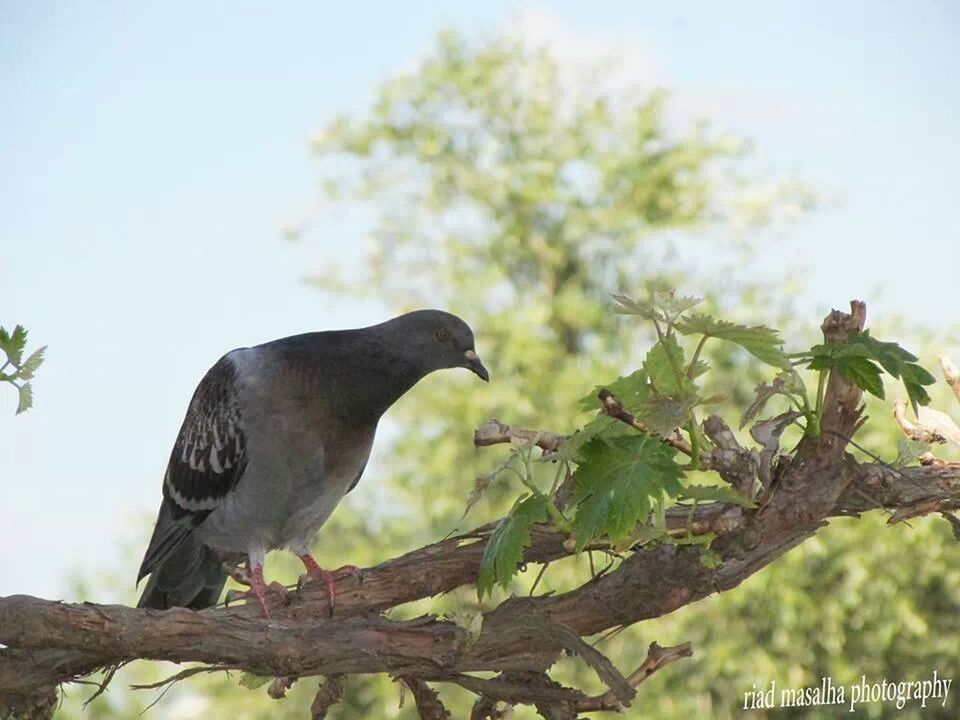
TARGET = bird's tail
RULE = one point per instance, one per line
(191, 576)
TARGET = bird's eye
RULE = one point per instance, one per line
(443, 334)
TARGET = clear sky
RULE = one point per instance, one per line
(151, 152)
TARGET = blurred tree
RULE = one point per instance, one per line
(518, 191)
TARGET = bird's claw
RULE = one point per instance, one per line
(328, 579)
(258, 590)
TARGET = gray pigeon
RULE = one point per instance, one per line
(273, 439)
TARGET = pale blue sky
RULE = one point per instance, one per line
(150, 152)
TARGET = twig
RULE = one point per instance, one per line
(494, 432)
(328, 695)
(657, 657)
(612, 407)
(951, 372)
(182, 675)
(428, 702)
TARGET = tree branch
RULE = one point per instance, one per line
(51, 642)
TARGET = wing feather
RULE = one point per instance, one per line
(207, 461)
(209, 455)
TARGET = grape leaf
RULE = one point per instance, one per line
(855, 361)
(631, 390)
(664, 366)
(504, 551)
(663, 415)
(862, 372)
(628, 306)
(615, 482)
(31, 364)
(14, 344)
(663, 307)
(601, 426)
(26, 398)
(673, 305)
(760, 341)
(914, 378)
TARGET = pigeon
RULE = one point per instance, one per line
(273, 439)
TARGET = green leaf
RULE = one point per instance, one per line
(628, 306)
(664, 365)
(600, 426)
(31, 364)
(673, 305)
(13, 345)
(26, 398)
(663, 415)
(504, 551)
(860, 371)
(914, 378)
(855, 360)
(249, 680)
(716, 493)
(760, 341)
(631, 390)
(889, 354)
(615, 482)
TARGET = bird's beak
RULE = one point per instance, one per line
(474, 365)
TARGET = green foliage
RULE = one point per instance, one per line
(859, 361)
(762, 342)
(13, 345)
(616, 483)
(504, 551)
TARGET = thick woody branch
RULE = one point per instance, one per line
(51, 642)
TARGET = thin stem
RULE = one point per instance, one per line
(696, 356)
(527, 479)
(656, 326)
(556, 478)
(694, 441)
(818, 412)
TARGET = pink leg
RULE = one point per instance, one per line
(258, 588)
(326, 577)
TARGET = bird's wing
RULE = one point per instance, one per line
(207, 460)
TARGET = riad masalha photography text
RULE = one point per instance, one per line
(854, 695)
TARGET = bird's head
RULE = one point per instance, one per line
(438, 340)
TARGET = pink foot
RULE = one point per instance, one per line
(258, 588)
(328, 578)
